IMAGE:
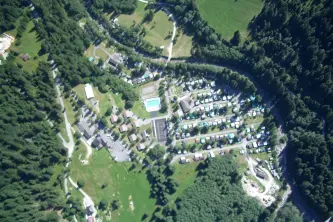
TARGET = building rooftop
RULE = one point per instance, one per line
(116, 59)
(133, 137)
(137, 123)
(123, 128)
(186, 105)
(128, 114)
(114, 118)
(89, 91)
(141, 146)
(25, 57)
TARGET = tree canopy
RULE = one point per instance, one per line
(30, 148)
(217, 195)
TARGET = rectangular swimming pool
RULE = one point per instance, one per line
(153, 104)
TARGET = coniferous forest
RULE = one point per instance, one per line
(30, 149)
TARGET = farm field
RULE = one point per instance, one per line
(100, 170)
(31, 45)
(157, 30)
(228, 16)
(183, 45)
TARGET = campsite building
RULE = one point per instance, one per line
(114, 118)
(89, 91)
(123, 128)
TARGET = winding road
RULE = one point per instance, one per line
(70, 145)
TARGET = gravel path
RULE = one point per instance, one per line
(70, 145)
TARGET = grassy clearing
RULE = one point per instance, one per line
(69, 110)
(242, 164)
(63, 131)
(104, 99)
(30, 44)
(262, 156)
(183, 46)
(256, 120)
(185, 175)
(107, 100)
(228, 16)
(100, 53)
(157, 30)
(122, 184)
(140, 110)
(90, 51)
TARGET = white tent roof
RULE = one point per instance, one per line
(89, 91)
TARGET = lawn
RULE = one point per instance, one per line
(30, 44)
(254, 120)
(185, 175)
(157, 30)
(104, 99)
(228, 16)
(107, 100)
(100, 53)
(63, 131)
(262, 156)
(69, 110)
(242, 163)
(183, 46)
(122, 184)
(140, 110)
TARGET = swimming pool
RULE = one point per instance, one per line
(153, 104)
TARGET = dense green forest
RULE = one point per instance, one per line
(289, 213)
(10, 11)
(291, 59)
(217, 195)
(30, 149)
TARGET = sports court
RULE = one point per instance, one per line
(149, 90)
(160, 130)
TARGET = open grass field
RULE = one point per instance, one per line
(100, 53)
(30, 44)
(228, 16)
(262, 156)
(69, 110)
(90, 51)
(183, 45)
(157, 30)
(107, 100)
(122, 184)
(103, 98)
(63, 131)
(140, 110)
(185, 175)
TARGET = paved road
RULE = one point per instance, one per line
(177, 157)
(210, 134)
(207, 119)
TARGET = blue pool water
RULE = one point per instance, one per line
(153, 103)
